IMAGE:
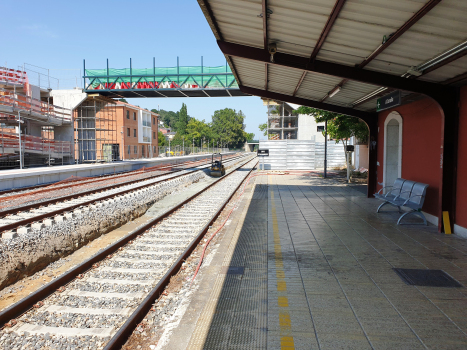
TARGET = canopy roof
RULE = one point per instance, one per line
(362, 49)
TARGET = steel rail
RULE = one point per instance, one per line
(120, 337)
(81, 194)
(102, 177)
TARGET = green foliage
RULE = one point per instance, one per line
(264, 128)
(250, 136)
(123, 100)
(228, 127)
(340, 127)
(169, 118)
(161, 141)
(182, 120)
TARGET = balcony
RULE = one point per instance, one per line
(30, 108)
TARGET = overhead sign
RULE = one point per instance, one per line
(263, 153)
(388, 101)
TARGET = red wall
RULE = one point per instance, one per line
(421, 147)
(461, 198)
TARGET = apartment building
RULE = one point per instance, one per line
(138, 130)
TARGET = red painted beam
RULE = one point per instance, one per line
(332, 69)
(265, 23)
(456, 79)
(406, 26)
(327, 28)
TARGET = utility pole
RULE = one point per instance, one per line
(19, 137)
(325, 147)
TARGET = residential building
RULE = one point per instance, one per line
(138, 128)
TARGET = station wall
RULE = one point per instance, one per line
(461, 198)
(421, 147)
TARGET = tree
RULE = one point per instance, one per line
(161, 141)
(340, 128)
(182, 120)
(123, 100)
(169, 118)
(197, 130)
(250, 136)
(228, 127)
(264, 128)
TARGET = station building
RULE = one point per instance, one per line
(343, 57)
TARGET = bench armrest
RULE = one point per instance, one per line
(383, 189)
(417, 195)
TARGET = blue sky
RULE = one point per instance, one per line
(58, 35)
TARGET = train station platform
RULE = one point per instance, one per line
(17, 178)
(307, 263)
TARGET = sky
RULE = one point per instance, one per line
(58, 35)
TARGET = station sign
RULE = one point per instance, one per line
(391, 100)
(263, 153)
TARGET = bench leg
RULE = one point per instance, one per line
(413, 212)
(383, 204)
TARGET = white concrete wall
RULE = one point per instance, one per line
(68, 98)
(307, 128)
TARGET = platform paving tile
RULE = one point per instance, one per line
(319, 274)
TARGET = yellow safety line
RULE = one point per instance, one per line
(287, 342)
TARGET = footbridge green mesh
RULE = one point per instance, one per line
(159, 78)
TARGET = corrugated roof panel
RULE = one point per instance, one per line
(440, 29)
(448, 71)
(352, 91)
(296, 25)
(361, 25)
(238, 21)
(251, 73)
(283, 80)
(316, 86)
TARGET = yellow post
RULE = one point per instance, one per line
(447, 223)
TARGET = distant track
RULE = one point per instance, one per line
(20, 216)
(100, 302)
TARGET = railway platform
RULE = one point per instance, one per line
(307, 263)
(17, 178)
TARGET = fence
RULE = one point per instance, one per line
(165, 151)
(10, 145)
(31, 105)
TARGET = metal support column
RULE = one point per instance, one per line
(448, 156)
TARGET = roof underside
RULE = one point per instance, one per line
(296, 27)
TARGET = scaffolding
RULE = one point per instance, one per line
(96, 131)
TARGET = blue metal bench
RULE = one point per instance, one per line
(404, 193)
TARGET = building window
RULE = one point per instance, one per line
(127, 114)
(155, 151)
(129, 150)
(134, 115)
(153, 120)
(134, 132)
(320, 128)
(128, 132)
(154, 135)
(136, 150)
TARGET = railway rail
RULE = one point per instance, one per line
(16, 197)
(18, 218)
(99, 303)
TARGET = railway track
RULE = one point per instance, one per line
(98, 304)
(18, 218)
(65, 184)
(11, 199)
